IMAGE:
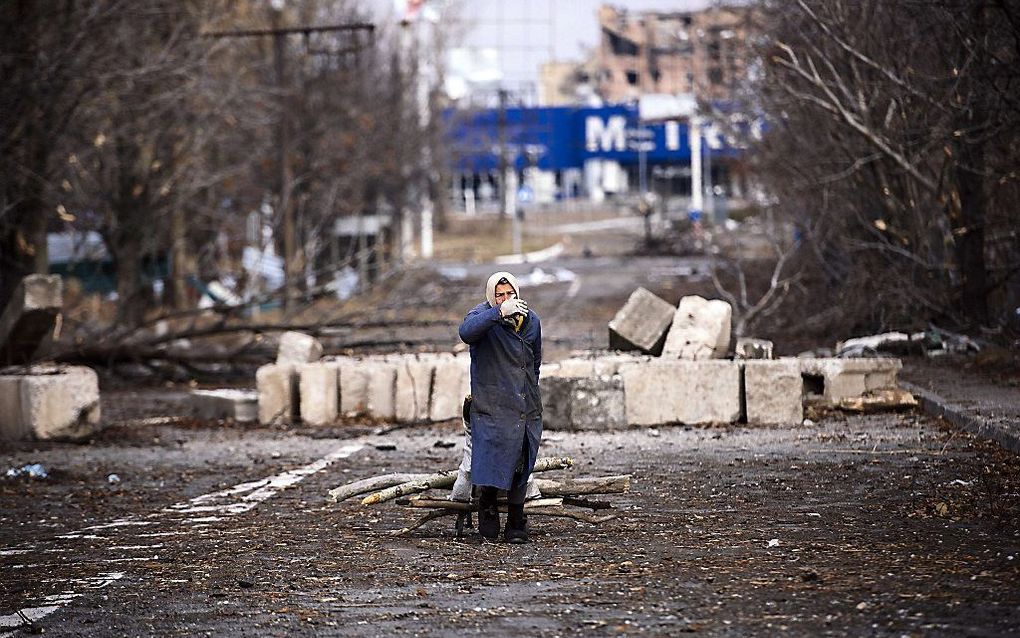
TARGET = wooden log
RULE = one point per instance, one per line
(446, 479)
(371, 484)
(593, 485)
(461, 506)
(450, 508)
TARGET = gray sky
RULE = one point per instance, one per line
(529, 32)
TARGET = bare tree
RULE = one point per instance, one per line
(892, 139)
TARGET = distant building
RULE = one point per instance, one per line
(704, 52)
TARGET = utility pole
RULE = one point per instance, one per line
(503, 160)
(284, 179)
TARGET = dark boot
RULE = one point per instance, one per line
(488, 514)
(516, 525)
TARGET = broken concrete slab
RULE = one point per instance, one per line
(773, 391)
(30, 317)
(297, 347)
(700, 329)
(641, 324)
(601, 365)
(50, 403)
(277, 387)
(583, 403)
(228, 403)
(319, 396)
(662, 391)
(413, 389)
(836, 379)
(451, 383)
(748, 348)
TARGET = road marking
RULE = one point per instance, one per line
(254, 492)
(575, 287)
(56, 601)
(259, 490)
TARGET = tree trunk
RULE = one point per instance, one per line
(970, 245)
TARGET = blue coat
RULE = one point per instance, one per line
(506, 404)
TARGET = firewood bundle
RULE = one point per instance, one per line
(564, 498)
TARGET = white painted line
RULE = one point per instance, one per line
(254, 492)
(259, 490)
(157, 545)
(575, 287)
(56, 601)
(121, 522)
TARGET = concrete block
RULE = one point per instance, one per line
(570, 369)
(353, 385)
(238, 405)
(381, 391)
(317, 389)
(747, 348)
(641, 324)
(700, 329)
(29, 318)
(277, 387)
(413, 389)
(59, 403)
(297, 347)
(849, 378)
(773, 391)
(451, 383)
(581, 403)
(664, 391)
(12, 425)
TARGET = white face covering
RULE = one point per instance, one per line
(490, 286)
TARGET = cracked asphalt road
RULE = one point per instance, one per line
(887, 524)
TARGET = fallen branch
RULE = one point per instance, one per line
(442, 479)
(371, 484)
(467, 507)
(450, 508)
(446, 479)
(592, 485)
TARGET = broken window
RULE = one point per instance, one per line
(620, 45)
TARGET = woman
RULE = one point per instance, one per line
(506, 407)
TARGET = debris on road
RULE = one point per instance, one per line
(878, 400)
(553, 499)
(32, 471)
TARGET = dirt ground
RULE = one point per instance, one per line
(881, 525)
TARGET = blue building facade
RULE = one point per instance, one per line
(579, 151)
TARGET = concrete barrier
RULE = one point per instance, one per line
(413, 388)
(836, 379)
(641, 324)
(451, 383)
(29, 318)
(297, 347)
(578, 403)
(700, 329)
(353, 386)
(277, 387)
(50, 402)
(660, 392)
(237, 405)
(319, 396)
(381, 389)
(773, 391)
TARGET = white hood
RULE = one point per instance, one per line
(490, 286)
